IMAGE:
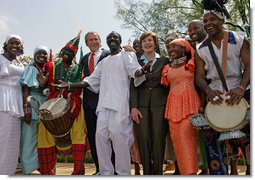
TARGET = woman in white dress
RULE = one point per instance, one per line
(11, 104)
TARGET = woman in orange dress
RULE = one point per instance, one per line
(183, 101)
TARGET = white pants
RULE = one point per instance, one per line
(10, 128)
(115, 127)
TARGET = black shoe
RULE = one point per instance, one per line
(96, 173)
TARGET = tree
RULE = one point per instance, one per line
(160, 16)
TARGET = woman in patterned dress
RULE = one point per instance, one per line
(183, 101)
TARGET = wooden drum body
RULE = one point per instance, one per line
(56, 117)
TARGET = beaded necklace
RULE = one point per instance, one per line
(16, 62)
(179, 61)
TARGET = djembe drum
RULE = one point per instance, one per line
(228, 120)
(56, 117)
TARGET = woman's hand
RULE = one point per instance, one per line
(136, 115)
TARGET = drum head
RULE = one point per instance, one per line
(56, 106)
(223, 118)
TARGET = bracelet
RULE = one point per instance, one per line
(242, 87)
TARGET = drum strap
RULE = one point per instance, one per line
(222, 72)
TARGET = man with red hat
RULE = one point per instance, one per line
(65, 70)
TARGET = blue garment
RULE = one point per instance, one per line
(145, 60)
(216, 154)
(29, 79)
(29, 133)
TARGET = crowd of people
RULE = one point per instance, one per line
(127, 103)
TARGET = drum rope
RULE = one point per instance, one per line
(62, 135)
(52, 104)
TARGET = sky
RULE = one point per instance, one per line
(54, 22)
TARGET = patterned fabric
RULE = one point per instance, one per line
(48, 160)
(183, 99)
(78, 154)
(46, 147)
(184, 137)
(216, 154)
(76, 75)
(9, 140)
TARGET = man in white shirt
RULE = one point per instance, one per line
(112, 78)
(90, 98)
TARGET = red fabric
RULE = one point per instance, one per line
(240, 153)
(47, 160)
(49, 66)
(78, 155)
(183, 99)
(91, 63)
(190, 66)
(75, 95)
(72, 47)
(184, 43)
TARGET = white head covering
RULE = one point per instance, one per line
(45, 48)
(220, 15)
(13, 36)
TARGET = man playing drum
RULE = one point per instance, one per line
(237, 77)
(65, 70)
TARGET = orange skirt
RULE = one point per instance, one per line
(184, 137)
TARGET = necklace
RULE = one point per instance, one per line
(179, 61)
(16, 62)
